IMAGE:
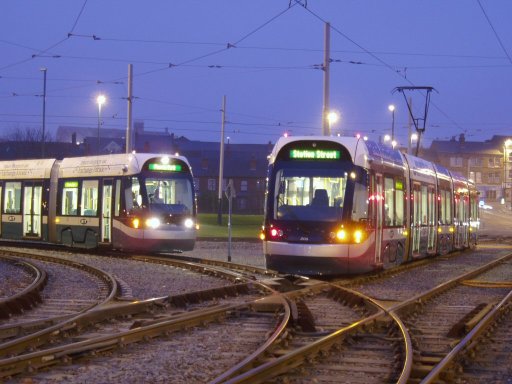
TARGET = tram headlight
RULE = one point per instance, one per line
(153, 222)
(341, 235)
(188, 223)
(136, 223)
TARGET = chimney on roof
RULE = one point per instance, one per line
(462, 138)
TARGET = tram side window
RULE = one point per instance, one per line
(424, 204)
(132, 194)
(449, 207)
(399, 202)
(70, 198)
(12, 198)
(89, 204)
(446, 207)
(393, 202)
(360, 205)
(389, 201)
(117, 201)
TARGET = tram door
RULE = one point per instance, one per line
(32, 200)
(106, 212)
(416, 220)
(379, 207)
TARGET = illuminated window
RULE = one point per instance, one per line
(70, 198)
(12, 199)
(89, 204)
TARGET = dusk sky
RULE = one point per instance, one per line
(270, 73)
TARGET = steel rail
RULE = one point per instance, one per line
(449, 284)
(39, 359)
(30, 295)
(278, 333)
(470, 339)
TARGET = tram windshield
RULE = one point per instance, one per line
(318, 195)
(169, 195)
(166, 195)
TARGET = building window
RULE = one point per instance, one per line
(475, 162)
(243, 186)
(212, 185)
(478, 177)
(493, 177)
(455, 161)
(242, 204)
(490, 194)
(204, 164)
(494, 162)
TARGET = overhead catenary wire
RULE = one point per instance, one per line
(495, 32)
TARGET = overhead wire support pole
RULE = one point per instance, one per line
(221, 162)
(43, 138)
(129, 133)
(419, 129)
(326, 129)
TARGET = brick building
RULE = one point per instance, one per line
(487, 163)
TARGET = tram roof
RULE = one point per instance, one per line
(361, 151)
(26, 169)
(109, 165)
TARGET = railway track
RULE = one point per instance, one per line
(383, 347)
(21, 284)
(69, 288)
(288, 329)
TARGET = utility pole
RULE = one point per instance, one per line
(221, 162)
(409, 130)
(326, 129)
(44, 113)
(129, 143)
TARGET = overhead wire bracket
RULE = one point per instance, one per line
(419, 122)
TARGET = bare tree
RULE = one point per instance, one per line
(29, 135)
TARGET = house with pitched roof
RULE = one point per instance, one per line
(487, 163)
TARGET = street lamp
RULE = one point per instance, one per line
(391, 108)
(101, 99)
(332, 118)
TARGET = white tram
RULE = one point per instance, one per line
(342, 205)
(140, 202)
